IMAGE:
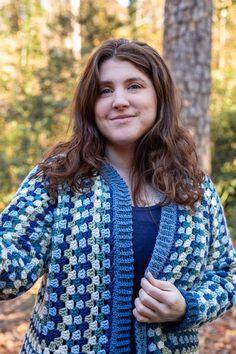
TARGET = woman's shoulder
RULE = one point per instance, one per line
(210, 197)
(33, 184)
(208, 187)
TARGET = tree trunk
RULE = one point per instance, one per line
(76, 35)
(187, 49)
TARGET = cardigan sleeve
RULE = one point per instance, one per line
(25, 233)
(217, 291)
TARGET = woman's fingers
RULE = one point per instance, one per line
(163, 296)
(139, 317)
(161, 284)
(145, 314)
(147, 300)
(143, 309)
(159, 301)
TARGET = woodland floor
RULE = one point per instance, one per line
(219, 337)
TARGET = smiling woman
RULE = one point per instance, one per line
(126, 107)
(128, 233)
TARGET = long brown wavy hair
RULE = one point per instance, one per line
(165, 156)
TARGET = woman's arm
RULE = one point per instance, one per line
(217, 292)
(25, 235)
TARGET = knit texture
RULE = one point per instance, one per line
(82, 245)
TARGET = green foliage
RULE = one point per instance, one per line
(38, 71)
(223, 112)
(223, 107)
(99, 21)
(38, 76)
(146, 22)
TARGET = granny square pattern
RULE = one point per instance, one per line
(82, 247)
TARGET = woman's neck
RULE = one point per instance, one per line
(121, 158)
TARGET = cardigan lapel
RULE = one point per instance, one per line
(123, 261)
(156, 264)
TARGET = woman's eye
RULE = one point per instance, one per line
(134, 86)
(105, 91)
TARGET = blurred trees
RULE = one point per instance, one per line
(44, 45)
(99, 21)
(41, 47)
(223, 106)
(146, 21)
(37, 69)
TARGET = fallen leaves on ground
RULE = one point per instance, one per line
(219, 337)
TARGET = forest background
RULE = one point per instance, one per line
(44, 47)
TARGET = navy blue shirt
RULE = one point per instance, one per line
(146, 222)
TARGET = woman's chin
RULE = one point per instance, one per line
(122, 142)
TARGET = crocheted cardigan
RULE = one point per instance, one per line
(82, 246)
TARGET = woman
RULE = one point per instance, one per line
(128, 233)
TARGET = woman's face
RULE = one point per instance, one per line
(127, 104)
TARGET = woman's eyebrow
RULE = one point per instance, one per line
(130, 79)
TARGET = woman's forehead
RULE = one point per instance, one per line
(119, 69)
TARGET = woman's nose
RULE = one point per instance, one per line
(120, 100)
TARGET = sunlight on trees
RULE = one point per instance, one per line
(44, 47)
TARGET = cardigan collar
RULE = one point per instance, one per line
(123, 259)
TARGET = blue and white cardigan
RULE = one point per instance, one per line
(82, 246)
